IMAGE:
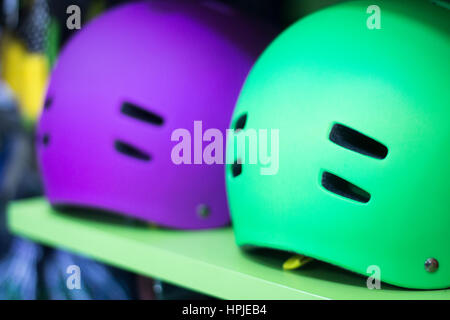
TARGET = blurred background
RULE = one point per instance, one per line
(32, 33)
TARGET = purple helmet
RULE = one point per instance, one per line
(120, 88)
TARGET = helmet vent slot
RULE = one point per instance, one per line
(344, 188)
(240, 122)
(46, 139)
(236, 168)
(48, 102)
(131, 151)
(353, 140)
(139, 113)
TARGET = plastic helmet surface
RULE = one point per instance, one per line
(364, 143)
(120, 88)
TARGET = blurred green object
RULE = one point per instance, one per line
(330, 76)
(204, 261)
(96, 8)
(53, 42)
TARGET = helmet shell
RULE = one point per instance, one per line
(389, 84)
(177, 60)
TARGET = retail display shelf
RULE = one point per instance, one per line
(205, 261)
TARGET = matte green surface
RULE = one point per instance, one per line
(390, 84)
(205, 261)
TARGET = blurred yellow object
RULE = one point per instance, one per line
(27, 75)
(12, 55)
(35, 75)
(296, 261)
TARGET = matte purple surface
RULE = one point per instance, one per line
(182, 60)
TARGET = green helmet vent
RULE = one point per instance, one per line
(353, 140)
(344, 188)
(240, 123)
(236, 168)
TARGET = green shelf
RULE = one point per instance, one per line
(204, 261)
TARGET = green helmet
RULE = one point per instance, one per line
(364, 143)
